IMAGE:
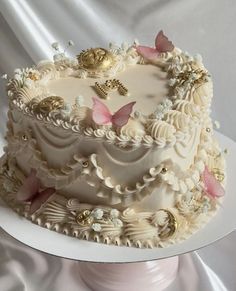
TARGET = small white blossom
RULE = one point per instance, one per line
(18, 77)
(71, 43)
(96, 227)
(198, 58)
(216, 124)
(9, 93)
(66, 110)
(97, 213)
(18, 71)
(172, 82)
(55, 45)
(117, 222)
(4, 76)
(79, 100)
(136, 42)
(59, 57)
(114, 213)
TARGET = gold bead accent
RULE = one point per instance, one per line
(103, 93)
(208, 129)
(164, 170)
(96, 59)
(85, 164)
(219, 175)
(49, 104)
(172, 225)
(84, 218)
(33, 76)
(24, 137)
(112, 84)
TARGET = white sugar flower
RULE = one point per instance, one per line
(198, 58)
(216, 124)
(172, 82)
(9, 93)
(71, 43)
(4, 76)
(117, 222)
(18, 77)
(59, 57)
(17, 71)
(79, 100)
(55, 45)
(97, 213)
(96, 227)
(114, 213)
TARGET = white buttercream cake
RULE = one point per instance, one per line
(114, 145)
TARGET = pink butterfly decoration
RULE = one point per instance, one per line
(30, 191)
(212, 186)
(162, 45)
(101, 114)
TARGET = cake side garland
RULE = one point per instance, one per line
(112, 226)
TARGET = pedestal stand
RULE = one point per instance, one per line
(151, 276)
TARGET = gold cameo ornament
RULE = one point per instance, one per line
(96, 59)
(84, 218)
(49, 104)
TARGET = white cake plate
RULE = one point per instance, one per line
(71, 248)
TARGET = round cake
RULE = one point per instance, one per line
(114, 145)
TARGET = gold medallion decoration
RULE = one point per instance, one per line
(96, 59)
(84, 218)
(172, 225)
(49, 104)
(110, 85)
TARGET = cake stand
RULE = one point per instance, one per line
(105, 267)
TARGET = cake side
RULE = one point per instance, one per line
(139, 184)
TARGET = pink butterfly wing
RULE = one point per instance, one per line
(29, 188)
(212, 185)
(121, 117)
(163, 44)
(101, 114)
(148, 53)
(40, 199)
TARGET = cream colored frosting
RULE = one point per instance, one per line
(128, 177)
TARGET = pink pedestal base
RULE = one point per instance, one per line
(151, 276)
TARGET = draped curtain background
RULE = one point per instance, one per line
(28, 27)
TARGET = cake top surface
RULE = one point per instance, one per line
(128, 95)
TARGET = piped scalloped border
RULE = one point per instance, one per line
(121, 228)
(188, 100)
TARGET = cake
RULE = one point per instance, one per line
(114, 145)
